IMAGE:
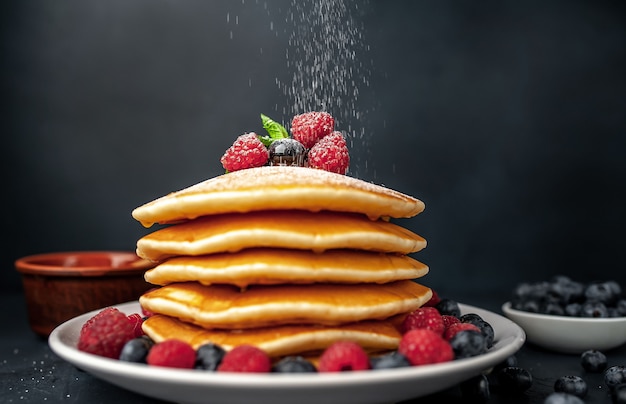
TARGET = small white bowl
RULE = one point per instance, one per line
(572, 335)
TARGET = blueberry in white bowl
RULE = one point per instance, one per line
(568, 316)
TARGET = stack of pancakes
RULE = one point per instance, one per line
(288, 259)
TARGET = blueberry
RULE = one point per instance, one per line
(209, 356)
(599, 292)
(571, 385)
(471, 318)
(485, 328)
(573, 309)
(615, 375)
(530, 306)
(618, 394)
(287, 152)
(551, 308)
(294, 364)
(448, 307)
(466, 344)
(562, 398)
(476, 389)
(593, 361)
(136, 350)
(564, 292)
(514, 379)
(594, 309)
(388, 361)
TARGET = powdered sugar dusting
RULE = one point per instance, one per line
(325, 58)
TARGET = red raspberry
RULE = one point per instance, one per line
(433, 300)
(245, 358)
(136, 320)
(343, 356)
(423, 346)
(424, 317)
(449, 320)
(453, 329)
(246, 152)
(172, 353)
(310, 127)
(330, 154)
(335, 137)
(106, 333)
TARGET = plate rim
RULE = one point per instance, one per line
(61, 339)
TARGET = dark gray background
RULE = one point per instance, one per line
(505, 117)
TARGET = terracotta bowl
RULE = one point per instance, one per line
(60, 286)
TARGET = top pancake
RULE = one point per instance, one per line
(278, 187)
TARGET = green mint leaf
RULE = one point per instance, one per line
(273, 128)
(266, 140)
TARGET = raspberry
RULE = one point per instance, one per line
(434, 300)
(335, 137)
(106, 333)
(136, 320)
(246, 152)
(245, 358)
(330, 154)
(172, 353)
(453, 329)
(423, 346)
(449, 320)
(425, 317)
(310, 127)
(343, 356)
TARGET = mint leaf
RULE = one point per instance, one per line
(274, 129)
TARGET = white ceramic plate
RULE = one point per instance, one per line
(196, 386)
(573, 335)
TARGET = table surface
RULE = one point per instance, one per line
(32, 373)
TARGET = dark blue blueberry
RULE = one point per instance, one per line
(514, 379)
(615, 375)
(287, 152)
(294, 364)
(388, 361)
(485, 328)
(593, 361)
(571, 385)
(615, 287)
(551, 308)
(471, 318)
(599, 292)
(530, 306)
(209, 356)
(448, 307)
(573, 309)
(476, 390)
(466, 344)
(562, 398)
(136, 350)
(594, 309)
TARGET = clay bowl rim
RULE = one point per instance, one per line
(51, 264)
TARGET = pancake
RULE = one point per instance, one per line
(278, 187)
(280, 340)
(228, 307)
(267, 266)
(278, 229)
